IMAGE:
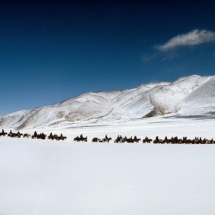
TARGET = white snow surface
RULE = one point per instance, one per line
(192, 95)
(45, 177)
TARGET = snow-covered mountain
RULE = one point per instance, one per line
(191, 95)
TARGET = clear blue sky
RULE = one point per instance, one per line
(54, 50)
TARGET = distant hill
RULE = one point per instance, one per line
(192, 95)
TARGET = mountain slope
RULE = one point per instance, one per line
(200, 101)
(186, 96)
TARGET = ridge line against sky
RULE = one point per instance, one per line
(54, 50)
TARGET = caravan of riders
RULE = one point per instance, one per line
(119, 139)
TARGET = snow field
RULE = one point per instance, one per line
(42, 177)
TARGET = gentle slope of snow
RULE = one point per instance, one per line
(191, 95)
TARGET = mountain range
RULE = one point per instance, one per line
(192, 95)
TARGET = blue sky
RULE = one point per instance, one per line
(53, 50)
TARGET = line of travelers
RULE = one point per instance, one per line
(36, 135)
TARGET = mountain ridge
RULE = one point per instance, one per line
(191, 95)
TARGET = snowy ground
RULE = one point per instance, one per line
(44, 177)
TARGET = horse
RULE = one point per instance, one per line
(147, 140)
(96, 139)
(81, 138)
(3, 133)
(26, 135)
(106, 139)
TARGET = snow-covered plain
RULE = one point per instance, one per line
(45, 177)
